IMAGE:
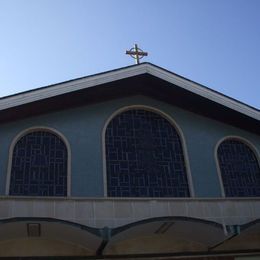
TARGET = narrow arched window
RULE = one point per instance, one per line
(39, 165)
(144, 156)
(239, 168)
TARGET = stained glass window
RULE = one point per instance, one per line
(39, 165)
(239, 169)
(144, 157)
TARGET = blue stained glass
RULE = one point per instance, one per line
(144, 157)
(239, 169)
(39, 166)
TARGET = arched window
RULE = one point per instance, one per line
(39, 165)
(144, 156)
(239, 169)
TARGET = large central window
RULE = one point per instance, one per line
(144, 156)
(39, 165)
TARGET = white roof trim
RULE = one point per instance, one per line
(202, 91)
(83, 83)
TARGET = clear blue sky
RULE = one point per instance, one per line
(213, 42)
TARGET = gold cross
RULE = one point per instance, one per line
(136, 53)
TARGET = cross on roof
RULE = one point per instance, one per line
(136, 53)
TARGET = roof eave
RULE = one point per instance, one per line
(122, 73)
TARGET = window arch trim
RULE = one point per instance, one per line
(164, 115)
(31, 130)
(242, 140)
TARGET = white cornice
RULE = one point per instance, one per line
(91, 81)
(203, 91)
(67, 87)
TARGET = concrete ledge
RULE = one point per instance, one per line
(115, 212)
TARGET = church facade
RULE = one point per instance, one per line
(132, 163)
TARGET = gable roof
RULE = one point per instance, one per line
(144, 78)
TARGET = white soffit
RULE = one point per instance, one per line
(91, 81)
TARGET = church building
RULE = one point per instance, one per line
(133, 163)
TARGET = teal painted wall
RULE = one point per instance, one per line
(83, 129)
